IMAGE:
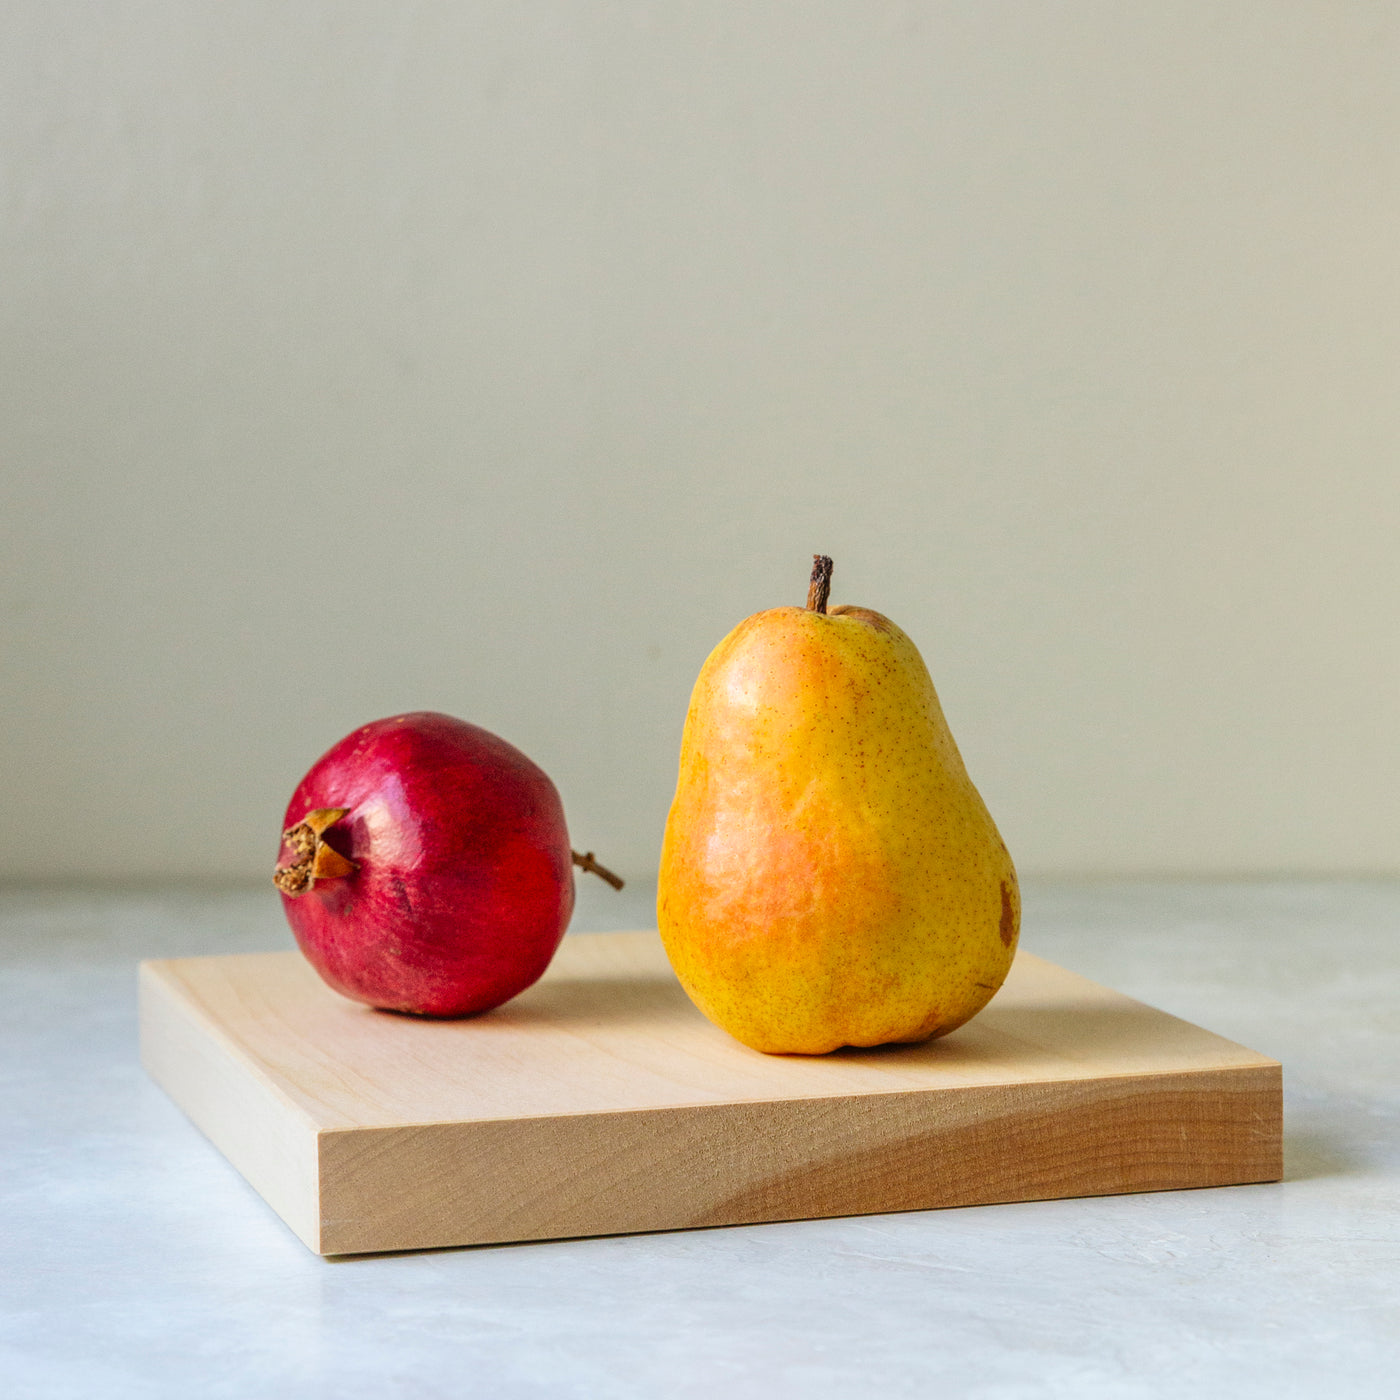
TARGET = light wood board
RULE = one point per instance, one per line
(601, 1102)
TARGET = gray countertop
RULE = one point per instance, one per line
(134, 1261)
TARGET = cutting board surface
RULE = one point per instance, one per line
(600, 1101)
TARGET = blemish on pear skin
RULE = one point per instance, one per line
(1008, 916)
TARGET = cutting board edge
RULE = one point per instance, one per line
(652, 1169)
(267, 1138)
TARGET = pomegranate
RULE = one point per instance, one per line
(425, 867)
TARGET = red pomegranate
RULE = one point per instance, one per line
(425, 867)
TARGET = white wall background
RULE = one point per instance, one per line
(497, 358)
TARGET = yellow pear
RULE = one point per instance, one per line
(829, 874)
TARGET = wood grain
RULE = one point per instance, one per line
(602, 1102)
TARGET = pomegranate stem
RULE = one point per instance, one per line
(586, 862)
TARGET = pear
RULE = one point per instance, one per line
(829, 874)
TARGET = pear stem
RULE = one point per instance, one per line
(820, 588)
(586, 862)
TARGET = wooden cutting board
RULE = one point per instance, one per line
(601, 1102)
